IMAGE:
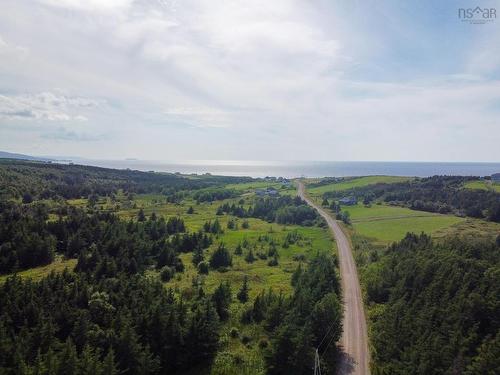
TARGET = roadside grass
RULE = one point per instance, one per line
(353, 183)
(37, 273)
(482, 185)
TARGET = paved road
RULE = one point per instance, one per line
(354, 341)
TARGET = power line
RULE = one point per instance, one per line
(326, 334)
(329, 342)
(317, 365)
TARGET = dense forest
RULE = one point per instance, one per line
(436, 307)
(37, 180)
(442, 194)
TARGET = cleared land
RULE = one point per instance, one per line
(354, 182)
(58, 265)
(384, 224)
(483, 185)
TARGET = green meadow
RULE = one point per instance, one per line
(483, 185)
(36, 273)
(350, 183)
(384, 224)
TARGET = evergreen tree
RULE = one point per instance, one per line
(198, 256)
(221, 257)
(250, 258)
(238, 250)
(141, 216)
(243, 292)
(109, 366)
(68, 359)
(222, 299)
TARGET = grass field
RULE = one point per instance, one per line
(250, 186)
(384, 224)
(471, 228)
(37, 273)
(355, 182)
(482, 185)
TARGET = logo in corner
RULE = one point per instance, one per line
(477, 15)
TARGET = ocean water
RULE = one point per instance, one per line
(303, 169)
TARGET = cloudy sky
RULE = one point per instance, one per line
(249, 80)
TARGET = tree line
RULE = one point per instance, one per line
(437, 307)
(39, 180)
(441, 194)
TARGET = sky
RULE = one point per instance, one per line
(283, 80)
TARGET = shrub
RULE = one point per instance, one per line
(234, 333)
(299, 257)
(166, 273)
(273, 262)
(245, 339)
(263, 343)
(203, 268)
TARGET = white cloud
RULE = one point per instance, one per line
(199, 117)
(44, 106)
(89, 5)
(8, 51)
(63, 134)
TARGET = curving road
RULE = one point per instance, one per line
(354, 342)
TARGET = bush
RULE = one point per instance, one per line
(245, 339)
(166, 273)
(299, 257)
(27, 198)
(203, 268)
(273, 262)
(263, 343)
(234, 333)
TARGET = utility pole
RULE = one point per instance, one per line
(317, 366)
